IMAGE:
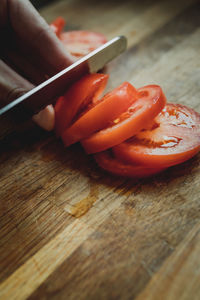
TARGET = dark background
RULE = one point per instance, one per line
(40, 3)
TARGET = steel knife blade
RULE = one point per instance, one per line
(47, 92)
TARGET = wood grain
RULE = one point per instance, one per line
(179, 276)
(140, 239)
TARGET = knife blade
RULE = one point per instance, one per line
(47, 92)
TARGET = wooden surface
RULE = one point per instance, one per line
(141, 239)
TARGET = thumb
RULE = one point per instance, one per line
(12, 85)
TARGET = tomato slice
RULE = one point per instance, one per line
(77, 97)
(107, 161)
(173, 139)
(100, 113)
(81, 42)
(149, 103)
(57, 26)
(77, 42)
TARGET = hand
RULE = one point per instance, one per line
(30, 52)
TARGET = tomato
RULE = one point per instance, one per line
(81, 42)
(107, 161)
(150, 101)
(77, 97)
(173, 139)
(77, 42)
(100, 113)
(57, 26)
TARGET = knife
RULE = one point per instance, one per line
(48, 91)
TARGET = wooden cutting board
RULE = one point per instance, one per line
(140, 239)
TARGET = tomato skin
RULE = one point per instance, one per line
(79, 95)
(174, 139)
(150, 102)
(108, 162)
(57, 26)
(100, 115)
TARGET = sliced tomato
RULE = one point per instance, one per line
(77, 42)
(107, 161)
(100, 113)
(173, 139)
(77, 97)
(150, 101)
(57, 26)
(81, 42)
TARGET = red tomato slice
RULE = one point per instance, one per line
(149, 103)
(108, 162)
(77, 42)
(173, 139)
(57, 26)
(77, 97)
(100, 113)
(81, 42)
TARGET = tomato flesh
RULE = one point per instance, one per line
(150, 101)
(107, 161)
(77, 97)
(100, 113)
(81, 42)
(173, 139)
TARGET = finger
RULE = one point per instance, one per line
(45, 118)
(23, 66)
(12, 85)
(3, 15)
(38, 36)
